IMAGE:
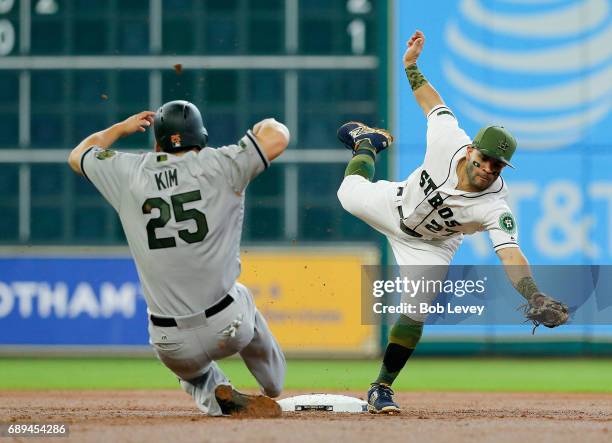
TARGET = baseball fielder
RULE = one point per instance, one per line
(457, 190)
(181, 208)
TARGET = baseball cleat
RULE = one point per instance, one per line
(352, 133)
(380, 400)
(237, 404)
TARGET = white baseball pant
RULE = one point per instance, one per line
(377, 205)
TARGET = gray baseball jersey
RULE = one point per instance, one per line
(182, 216)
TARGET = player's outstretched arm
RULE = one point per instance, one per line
(103, 139)
(272, 136)
(540, 308)
(518, 271)
(426, 96)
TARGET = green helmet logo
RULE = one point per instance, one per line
(496, 142)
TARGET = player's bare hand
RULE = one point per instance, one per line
(414, 46)
(264, 122)
(136, 123)
(272, 124)
(272, 137)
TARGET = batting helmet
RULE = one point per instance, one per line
(178, 126)
(496, 142)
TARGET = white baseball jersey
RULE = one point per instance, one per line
(182, 216)
(431, 206)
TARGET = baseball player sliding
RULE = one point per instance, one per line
(181, 208)
(457, 190)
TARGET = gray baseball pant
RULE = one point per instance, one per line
(191, 348)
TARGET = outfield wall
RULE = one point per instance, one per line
(89, 301)
(73, 300)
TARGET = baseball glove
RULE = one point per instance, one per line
(543, 310)
(352, 133)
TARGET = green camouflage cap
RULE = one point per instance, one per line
(496, 142)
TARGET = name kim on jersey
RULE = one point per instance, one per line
(166, 179)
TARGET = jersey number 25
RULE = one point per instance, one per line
(180, 214)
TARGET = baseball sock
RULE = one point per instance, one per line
(363, 160)
(403, 338)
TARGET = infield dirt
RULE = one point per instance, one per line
(169, 415)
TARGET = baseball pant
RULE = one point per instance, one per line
(377, 205)
(191, 348)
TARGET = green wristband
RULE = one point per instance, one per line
(415, 77)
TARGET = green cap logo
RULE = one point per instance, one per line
(503, 145)
(496, 142)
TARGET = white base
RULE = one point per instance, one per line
(323, 403)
